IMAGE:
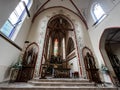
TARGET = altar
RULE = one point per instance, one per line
(56, 68)
(61, 72)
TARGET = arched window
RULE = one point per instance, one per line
(14, 19)
(63, 43)
(97, 12)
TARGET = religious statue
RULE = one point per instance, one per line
(90, 61)
(115, 63)
(29, 56)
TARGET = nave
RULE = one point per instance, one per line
(60, 44)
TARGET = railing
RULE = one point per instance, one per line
(11, 42)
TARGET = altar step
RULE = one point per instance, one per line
(55, 84)
(61, 82)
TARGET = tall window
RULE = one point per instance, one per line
(97, 12)
(14, 19)
(63, 48)
(56, 47)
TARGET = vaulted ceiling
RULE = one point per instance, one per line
(79, 7)
(80, 4)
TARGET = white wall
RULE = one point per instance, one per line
(6, 8)
(74, 67)
(64, 3)
(112, 20)
(8, 53)
(38, 30)
(8, 56)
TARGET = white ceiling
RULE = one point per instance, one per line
(6, 8)
(79, 7)
(82, 5)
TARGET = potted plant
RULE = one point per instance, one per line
(104, 69)
(15, 69)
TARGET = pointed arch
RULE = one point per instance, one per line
(70, 46)
(63, 8)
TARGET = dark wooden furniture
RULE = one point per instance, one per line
(115, 62)
(25, 74)
(93, 75)
(91, 69)
(44, 71)
(61, 72)
(28, 63)
(75, 74)
(55, 68)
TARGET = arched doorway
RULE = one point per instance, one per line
(110, 50)
(55, 54)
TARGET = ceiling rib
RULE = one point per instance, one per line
(114, 35)
(80, 15)
(39, 10)
(82, 18)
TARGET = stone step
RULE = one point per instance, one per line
(61, 80)
(57, 88)
(27, 86)
(36, 83)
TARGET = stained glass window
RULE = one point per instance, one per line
(56, 47)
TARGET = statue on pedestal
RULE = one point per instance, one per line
(91, 68)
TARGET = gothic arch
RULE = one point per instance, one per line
(64, 17)
(63, 8)
(43, 30)
(85, 50)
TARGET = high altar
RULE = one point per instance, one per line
(56, 68)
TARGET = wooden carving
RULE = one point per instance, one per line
(90, 65)
(29, 61)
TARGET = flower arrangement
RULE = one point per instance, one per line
(18, 64)
(104, 69)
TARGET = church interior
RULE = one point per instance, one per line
(59, 44)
